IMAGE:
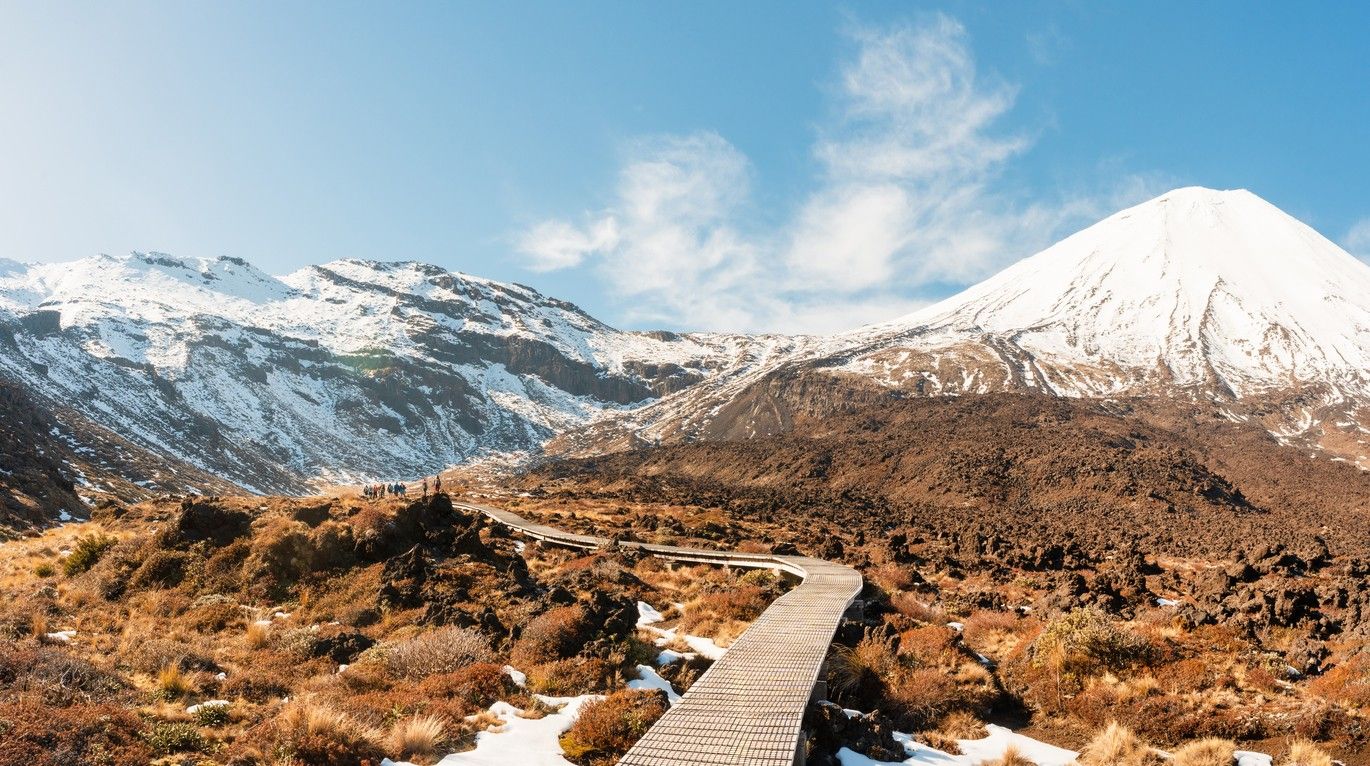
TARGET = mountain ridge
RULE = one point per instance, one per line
(358, 370)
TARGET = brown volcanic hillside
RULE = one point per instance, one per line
(1110, 475)
(54, 461)
(33, 483)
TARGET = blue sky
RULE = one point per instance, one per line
(750, 166)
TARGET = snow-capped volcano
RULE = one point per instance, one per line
(1193, 288)
(1212, 295)
(356, 370)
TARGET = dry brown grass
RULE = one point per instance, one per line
(1305, 753)
(1011, 757)
(418, 737)
(856, 672)
(1117, 746)
(914, 608)
(1205, 752)
(258, 635)
(172, 683)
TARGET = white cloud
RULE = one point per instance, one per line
(1357, 240)
(905, 199)
(553, 245)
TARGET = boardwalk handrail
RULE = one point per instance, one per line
(748, 707)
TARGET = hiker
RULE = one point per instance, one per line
(425, 486)
(437, 484)
(366, 492)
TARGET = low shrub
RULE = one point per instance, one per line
(213, 716)
(45, 569)
(172, 683)
(553, 635)
(444, 650)
(166, 738)
(215, 617)
(480, 685)
(151, 655)
(55, 676)
(1347, 683)
(605, 729)
(578, 675)
(161, 569)
(87, 553)
(90, 735)
(931, 646)
(910, 606)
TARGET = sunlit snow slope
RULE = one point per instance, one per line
(350, 371)
(1194, 288)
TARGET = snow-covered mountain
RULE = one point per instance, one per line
(358, 370)
(1210, 295)
(350, 371)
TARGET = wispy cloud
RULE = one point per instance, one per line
(905, 197)
(1357, 241)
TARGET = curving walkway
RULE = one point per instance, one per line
(748, 706)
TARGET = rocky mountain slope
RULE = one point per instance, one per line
(348, 371)
(1212, 296)
(357, 370)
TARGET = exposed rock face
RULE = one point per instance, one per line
(831, 729)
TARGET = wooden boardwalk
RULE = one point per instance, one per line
(748, 706)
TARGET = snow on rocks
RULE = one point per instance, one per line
(647, 678)
(60, 636)
(193, 709)
(518, 677)
(646, 615)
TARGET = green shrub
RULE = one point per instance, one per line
(211, 715)
(87, 553)
(45, 569)
(1085, 641)
(167, 738)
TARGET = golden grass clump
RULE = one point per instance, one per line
(1205, 752)
(858, 670)
(1011, 757)
(258, 634)
(1116, 746)
(417, 737)
(1305, 753)
(172, 683)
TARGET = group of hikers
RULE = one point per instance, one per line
(379, 491)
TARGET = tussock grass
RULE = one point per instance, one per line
(1117, 746)
(1205, 752)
